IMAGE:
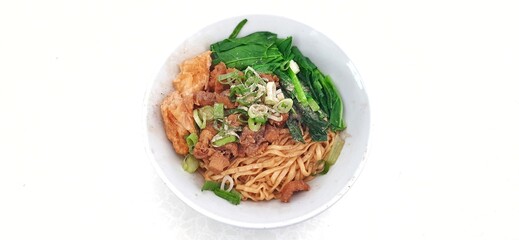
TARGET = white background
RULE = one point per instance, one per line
(442, 77)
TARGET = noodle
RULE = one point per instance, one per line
(262, 177)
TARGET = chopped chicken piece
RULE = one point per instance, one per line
(271, 133)
(214, 84)
(218, 162)
(291, 187)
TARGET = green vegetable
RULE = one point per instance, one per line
(326, 167)
(191, 140)
(333, 155)
(237, 29)
(284, 46)
(336, 108)
(294, 126)
(317, 126)
(313, 104)
(315, 122)
(233, 196)
(190, 163)
(258, 48)
(322, 89)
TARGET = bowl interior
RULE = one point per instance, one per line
(325, 190)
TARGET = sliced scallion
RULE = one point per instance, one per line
(257, 110)
(210, 185)
(271, 98)
(201, 122)
(218, 111)
(224, 140)
(239, 89)
(284, 105)
(206, 112)
(233, 196)
(229, 78)
(190, 163)
(253, 125)
(191, 140)
(293, 66)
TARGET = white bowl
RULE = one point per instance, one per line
(325, 190)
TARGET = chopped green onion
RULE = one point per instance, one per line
(202, 115)
(218, 111)
(247, 99)
(224, 140)
(206, 112)
(285, 65)
(210, 185)
(190, 163)
(250, 72)
(253, 125)
(191, 140)
(293, 66)
(238, 89)
(284, 105)
(228, 78)
(271, 100)
(199, 121)
(233, 196)
(227, 179)
(257, 110)
(271, 94)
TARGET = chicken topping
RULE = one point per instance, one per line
(217, 162)
(291, 187)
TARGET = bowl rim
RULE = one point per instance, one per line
(264, 225)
